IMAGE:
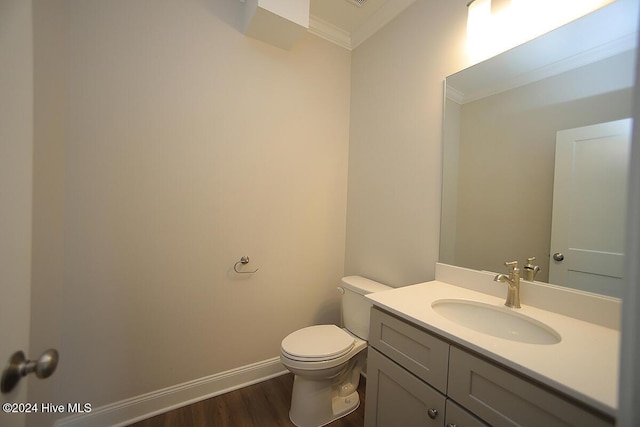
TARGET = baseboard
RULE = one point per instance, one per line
(129, 411)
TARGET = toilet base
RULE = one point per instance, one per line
(326, 405)
(345, 405)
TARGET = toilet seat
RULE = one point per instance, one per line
(317, 343)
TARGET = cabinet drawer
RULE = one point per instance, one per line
(503, 399)
(419, 352)
(456, 416)
(397, 398)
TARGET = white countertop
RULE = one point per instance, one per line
(583, 365)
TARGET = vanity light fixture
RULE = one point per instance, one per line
(494, 26)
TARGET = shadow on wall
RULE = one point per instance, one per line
(329, 312)
(230, 12)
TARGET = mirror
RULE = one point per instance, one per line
(501, 121)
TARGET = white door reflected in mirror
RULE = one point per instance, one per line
(589, 207)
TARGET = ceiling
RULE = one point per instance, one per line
(347, 23)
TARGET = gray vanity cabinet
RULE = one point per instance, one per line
(457, 416)
(504, 399)
(417, 379)
(399, 398)
(407, 378)
(422, 354)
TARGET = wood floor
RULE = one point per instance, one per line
(265, 404)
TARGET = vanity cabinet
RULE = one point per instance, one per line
(503, 398)
(417, 379)
(400, 398)
(419, 352)
(407, 375)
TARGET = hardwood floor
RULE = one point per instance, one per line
(265, 404)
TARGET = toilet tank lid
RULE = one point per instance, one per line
(363, 285)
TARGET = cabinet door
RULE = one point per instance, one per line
(421, 353)
(456, 416)
(503, 399)
(397, 398)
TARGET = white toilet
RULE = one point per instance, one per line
(327, 360)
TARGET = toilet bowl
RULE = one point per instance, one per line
(327, 360)
(326, 380)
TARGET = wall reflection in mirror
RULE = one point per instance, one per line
(503, 118)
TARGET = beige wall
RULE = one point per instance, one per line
(186, 146)
(393, 218)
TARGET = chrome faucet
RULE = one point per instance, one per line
(513, 282)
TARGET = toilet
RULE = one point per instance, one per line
(327, 360)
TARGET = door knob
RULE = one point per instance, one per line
(558, 256)
(19, 367)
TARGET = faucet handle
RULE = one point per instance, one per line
(511, 265)
(513, 269)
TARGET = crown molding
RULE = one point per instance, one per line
(455, 95)
(387, 12)
(589, 56)
(343, 38)
(329, 32)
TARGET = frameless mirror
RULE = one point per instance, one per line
(503, 118)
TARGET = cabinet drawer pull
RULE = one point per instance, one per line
(452, 425)
(433, 413)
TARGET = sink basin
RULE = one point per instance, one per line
(501, 322)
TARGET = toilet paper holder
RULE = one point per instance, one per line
(244, 260)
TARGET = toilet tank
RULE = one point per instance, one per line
(355, 307)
